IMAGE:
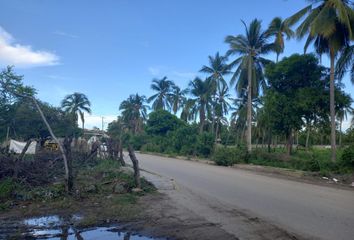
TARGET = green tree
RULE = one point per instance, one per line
(249, 65)
(201, 92)
(162, 99)
(161, 122)
(77, 104)
(178, 98)
(221, 108)
(292, 83)
(134, 112)
(328, 24)
(278, 28)
(217, 69)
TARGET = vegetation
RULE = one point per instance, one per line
(243, 107)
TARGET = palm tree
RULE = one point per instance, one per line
(250, 64)
(177, 98)
(221, 107)
(162, 97)
(134, 112)
(217, 69)
(77, 104)
(346, 63)
(329, 26)
(239, 112)
(278, 28)
(201, 92)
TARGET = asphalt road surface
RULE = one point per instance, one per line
(308, 210)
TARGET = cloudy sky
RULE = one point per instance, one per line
(110, 49)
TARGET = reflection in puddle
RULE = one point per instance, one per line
(61, 228)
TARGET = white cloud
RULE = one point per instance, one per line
(65, 34)
(12, 53)
(96, 121)
(155, 71)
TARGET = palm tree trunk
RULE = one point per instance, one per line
(340, 132)
(332, 109)
(202, 118)
(249, 106)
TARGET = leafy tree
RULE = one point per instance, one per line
(160, 122)
(328, 24)
(294, 82)
(249, 65)
(26, 123)
(134, 112)
(278, 28)
(77, 104)
(162, 99)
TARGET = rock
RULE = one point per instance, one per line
(335, 180)
(119, 188)
(352, 184)
(136, 190)
(91, 188)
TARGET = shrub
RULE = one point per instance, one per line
(205, 144)
(347, 159)
(227, 156)
(6, 188)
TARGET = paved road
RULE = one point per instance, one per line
(304, 209)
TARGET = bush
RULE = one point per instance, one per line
(6, 188)
(347, 159)
(205, 144)
(227, 156)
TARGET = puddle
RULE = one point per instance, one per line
(62, 228)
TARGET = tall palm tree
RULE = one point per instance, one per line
(329, 25)
(221, 108)
(177, 98)
(162, 98)
(134, 111)
(278, 28)
(217, 69)
(346, 63)
(77, 104)
(249, 65)
(201, 92)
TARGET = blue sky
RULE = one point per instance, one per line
(109, 49)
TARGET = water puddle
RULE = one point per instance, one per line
(62, 228)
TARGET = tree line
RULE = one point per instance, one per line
(274, 98)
